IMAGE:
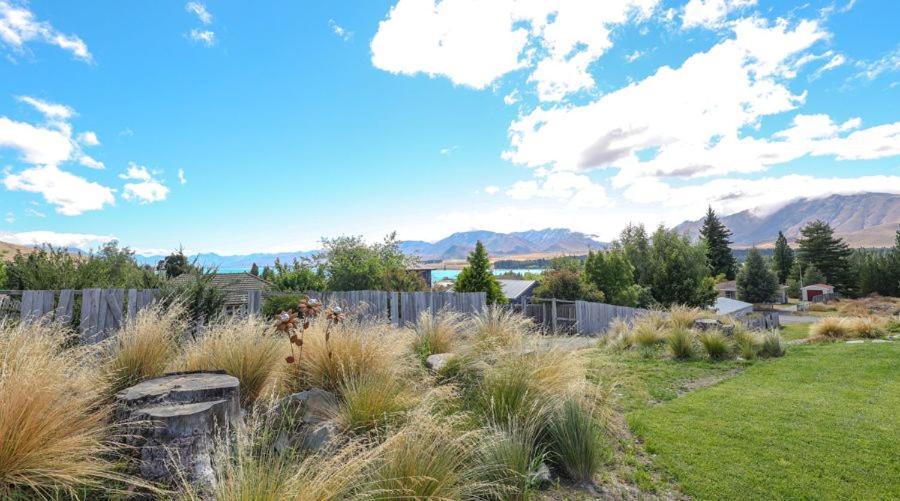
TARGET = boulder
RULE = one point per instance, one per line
(438, 361)
(313, 429)
(710, 324)
(175, 420)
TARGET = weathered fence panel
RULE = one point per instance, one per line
(412, 304)
(138, 299)
(36, 304)
(66, 307)
(595, 318)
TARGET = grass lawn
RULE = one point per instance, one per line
(822, 422)
(790, 332)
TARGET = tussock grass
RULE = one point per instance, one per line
(746, 343)
(680, 343)
(829, 329)
(55, 436)
(144, 347)
(496, 328)
(867, 327)
(575, 441)
(716, 344)
(682, 317)
(512, 456)
(371, 400)
(436, 333)
(246, 348)
(647, 333)
(772, 345)
(618, 336)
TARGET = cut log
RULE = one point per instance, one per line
(174, 422)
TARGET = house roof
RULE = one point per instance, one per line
(514, 289)
(235, 285)
(425, 267)
(818, 286)
(727, 306)
(727, 285)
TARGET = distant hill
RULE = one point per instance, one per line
(235, 262)
(863, 220)
(546, 241)
(8, 250)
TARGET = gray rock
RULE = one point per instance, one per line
(313, 406)
(174, 422)
(543, 476)
(706, 324)
(438, 361)
(312, 428)
(856, 341)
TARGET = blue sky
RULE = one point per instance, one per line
(230, 127)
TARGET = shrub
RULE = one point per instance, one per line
(618, 335)
(512, 457)
(245, 348)
(273, 305)
(436, 333)
(370, 400)
(680, 342)
(716, 344)
(746, 343)
(575, 441)
(772, 345)
(144, 347)
(682, 317)
(498, 328)
(647, 332)
(866, 327)
(829, 329)
(55, 436)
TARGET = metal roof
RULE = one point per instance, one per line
(513, 289)
(728, 306)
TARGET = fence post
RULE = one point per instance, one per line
(553, 313)
(254, 302)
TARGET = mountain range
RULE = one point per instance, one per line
(862, 220)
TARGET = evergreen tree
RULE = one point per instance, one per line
(565, 283)
(818, 247)
(477, 276)
(176, 264)
(679, 271)
(611, 274)
(756, 283)
(635, 243)
(718, 252)
(812, 275)
(267, 273)
(254, 270)
(783, 258)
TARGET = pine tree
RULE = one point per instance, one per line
(254, 270)
(477, 276)
(756, 283)
(783, 258)
(716, 234)
(818, 247)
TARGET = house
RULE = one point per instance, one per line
(443, 285)
(517, 290)
(424, 270)
(235, 286)
(733, 307)
(810, 291)
(729, 289)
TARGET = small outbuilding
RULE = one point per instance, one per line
(729, 289)
(234, 285)
(423, 271)
(517, 290)
(811, 291)
(733, 307)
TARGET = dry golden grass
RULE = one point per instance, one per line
(145, 347)
(372, 400)
(496, 328)
(55, 436)
(867, 327)
(437, 333)
(682, 317)
(246, 348)
(829, 329)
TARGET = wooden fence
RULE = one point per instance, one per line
(595, 318)
(400, 308)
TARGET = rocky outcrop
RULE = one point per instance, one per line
(438, 361)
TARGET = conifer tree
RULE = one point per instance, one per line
(716, 235)
(756, 283)
(254, 270)
(783, 258)
(477, 276)
(818, 247)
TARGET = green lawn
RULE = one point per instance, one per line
(790, 332)
(822, 422)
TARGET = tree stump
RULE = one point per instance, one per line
(174, 421)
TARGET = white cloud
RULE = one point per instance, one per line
(511, 98)
(340, 31)
(491, 190)
(82, 241)
(10, 218)
(51, 111)
(146, 189)
(181, 178)
(576, 190)
(474, 43)
(448, 151)
(36, 145)
(711, 13)
(72, 195)
(90, 162)
(200, 11)
(634, 56)
(205, 37)
(692, 120)
(18, 27)
(35, 213)
(870, 70)
(88, 138)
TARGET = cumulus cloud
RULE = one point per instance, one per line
(576, 190)
(19, 26)
(82, 241)
(145, 188)
(52, 111)
(491, 189)
(475, 43)
(72, 195)
(711, 13)
(88, 138)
